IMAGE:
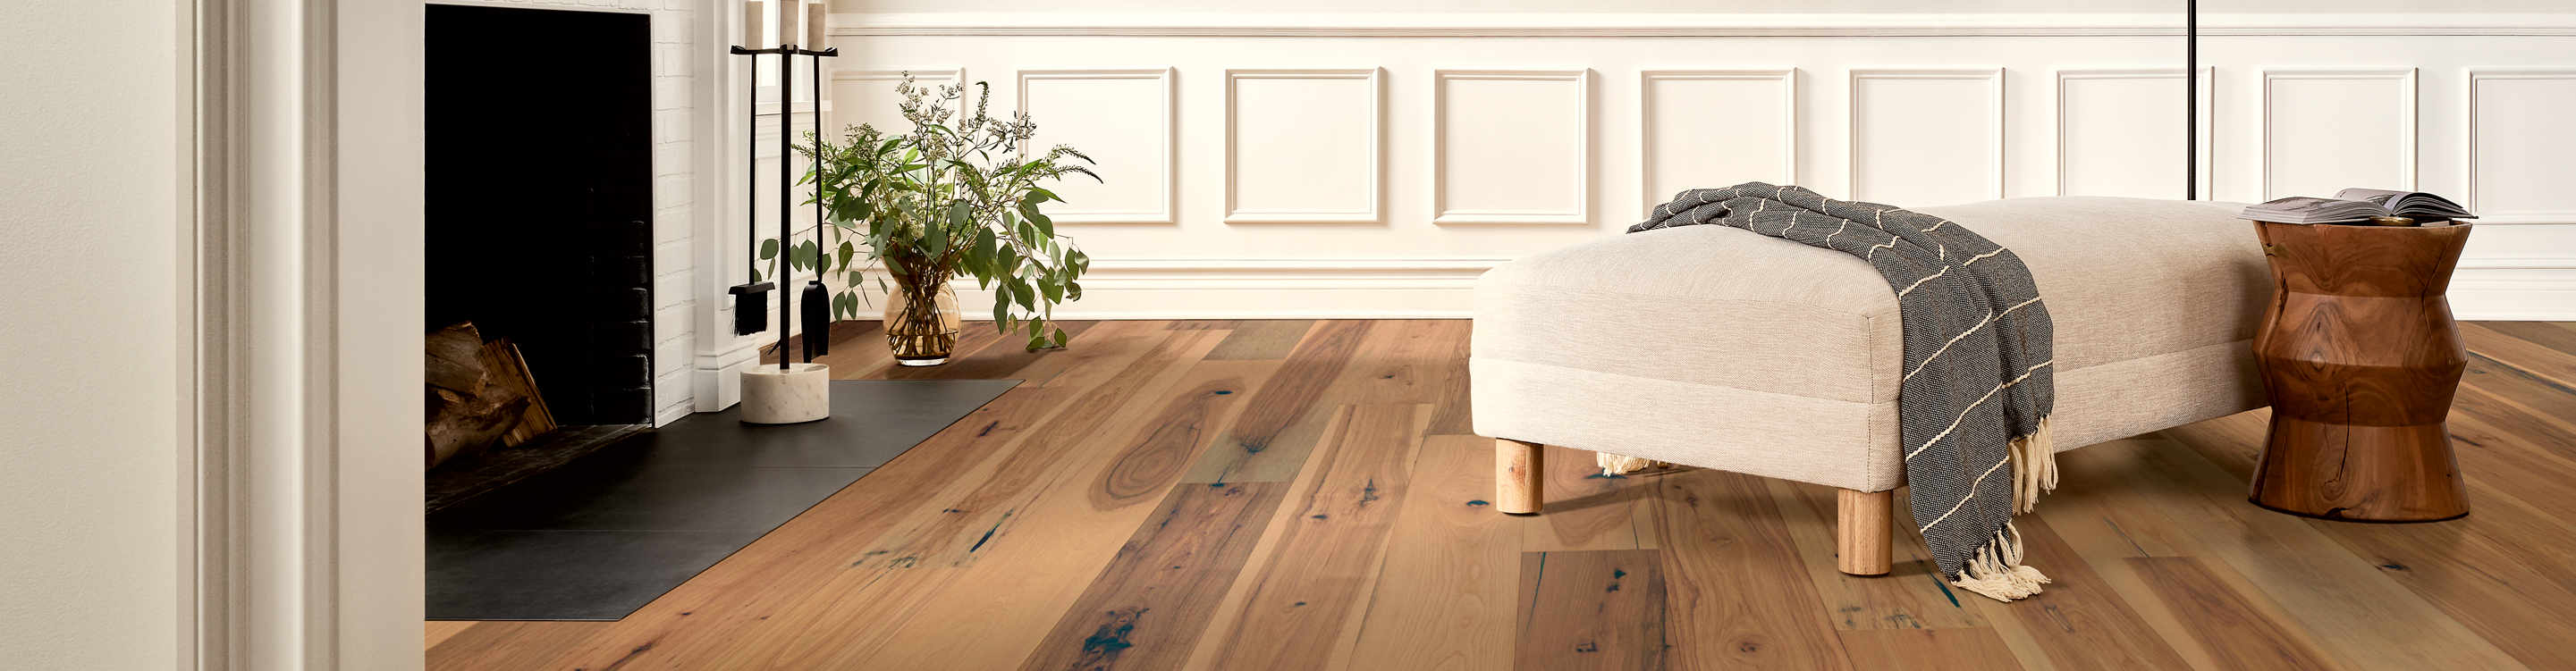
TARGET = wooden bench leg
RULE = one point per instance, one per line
(1520, 475)
(1861, 531)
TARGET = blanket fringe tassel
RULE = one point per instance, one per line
(1997, 571)
(1615, 465)
(2034, 460)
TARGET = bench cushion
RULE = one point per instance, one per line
(1713, 346)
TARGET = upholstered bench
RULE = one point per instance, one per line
(1716, 347)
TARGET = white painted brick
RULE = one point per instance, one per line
(671, 390)
(670, 92)
(670, 59)
(671, 290)
(672, 158)
(672, 323)
(673, 255)
(671, 125)
(673, 190)
(670, 27)
(673, 224)
(673, 358)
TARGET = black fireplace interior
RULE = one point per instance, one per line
(540, 197)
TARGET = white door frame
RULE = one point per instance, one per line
(301, 255)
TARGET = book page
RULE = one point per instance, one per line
(2381, 197)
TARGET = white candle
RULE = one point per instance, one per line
(752, 22)
(814, 38)
(787, 14)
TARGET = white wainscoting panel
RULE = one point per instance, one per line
(867, 96)
(1715, 128)
(1304, 146)
(2117, 135)
(2522, 146)
(2327, 130)
(1927, 137)
(1123, 120)
(1512, 147)
(1504, 145)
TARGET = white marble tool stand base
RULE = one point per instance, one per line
(798, 393)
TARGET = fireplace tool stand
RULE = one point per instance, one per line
(792, 392)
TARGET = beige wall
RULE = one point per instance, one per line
(1719, 7)
(88, 416)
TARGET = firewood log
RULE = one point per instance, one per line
(454, 358)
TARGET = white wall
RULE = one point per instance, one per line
(88, 186)
(1242, 181)
(1707, 6)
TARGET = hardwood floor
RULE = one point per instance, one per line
(1308, 495)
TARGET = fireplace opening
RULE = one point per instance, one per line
(540, 197)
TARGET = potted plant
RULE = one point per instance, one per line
(942, 200)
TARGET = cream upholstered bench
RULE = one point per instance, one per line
(1717, 347)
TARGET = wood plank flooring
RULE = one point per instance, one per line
(1308, 495)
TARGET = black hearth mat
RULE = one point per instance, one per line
(600, 537)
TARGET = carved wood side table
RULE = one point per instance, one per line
(2361, 357)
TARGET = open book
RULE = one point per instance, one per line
(2357, 206)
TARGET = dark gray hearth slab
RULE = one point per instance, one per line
(481, 574)
(622, 495)
(611, 531)
(871, 422)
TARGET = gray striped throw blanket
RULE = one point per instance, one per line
(1973, 408)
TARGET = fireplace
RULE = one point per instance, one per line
(540, 197)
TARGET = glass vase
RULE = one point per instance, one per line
(921, 319)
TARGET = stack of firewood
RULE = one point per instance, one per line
(480, 394)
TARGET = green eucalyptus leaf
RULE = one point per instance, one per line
(768, 249)
(1046, 226)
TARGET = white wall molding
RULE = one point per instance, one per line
(2275, 120)
(1658, 145)
(1861, 139)
(2546, 159)
(1506, 162)
(1572, 25)
(1265, 159)
(1163, 203)
(2205, 154)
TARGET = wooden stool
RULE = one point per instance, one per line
(2360, 356)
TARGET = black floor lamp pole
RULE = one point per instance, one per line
(2191, 100)
(786, 197)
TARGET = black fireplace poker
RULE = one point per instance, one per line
(786, 192)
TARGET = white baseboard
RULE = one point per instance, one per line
(2503, 289)
(717, 377)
